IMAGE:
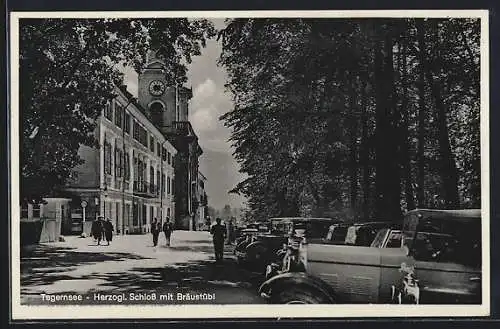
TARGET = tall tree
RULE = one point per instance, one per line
(387, 181)
(318, 100)
(68, 72)
(448, 167)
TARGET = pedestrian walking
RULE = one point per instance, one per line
(97, 230)
(108, 230)
(155, 230)
(218, 232)
(167, 230)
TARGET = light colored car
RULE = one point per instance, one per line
(435, 260)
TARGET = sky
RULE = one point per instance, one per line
(209, 102)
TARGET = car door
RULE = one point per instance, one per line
(448, 272)
(353, 272)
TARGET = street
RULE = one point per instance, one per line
(131, 265)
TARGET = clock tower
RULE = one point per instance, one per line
(167, 107)
(156, 96)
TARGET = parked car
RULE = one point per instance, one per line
(336, 234)
(439, 262)
(248, 235)
(264, 249)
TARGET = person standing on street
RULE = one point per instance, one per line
(155, 230)
(97, 230)
(218, 232)
(167, 230)
(108, 230)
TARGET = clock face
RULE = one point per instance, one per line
(156, 88)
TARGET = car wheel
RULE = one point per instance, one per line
(302, 296)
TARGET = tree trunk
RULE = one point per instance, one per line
(353, 150)
(365, 153)
(421, 118)
(448, 166)
(387, 166)
(405, 152)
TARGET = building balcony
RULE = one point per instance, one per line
(182, 129)
(146, 190)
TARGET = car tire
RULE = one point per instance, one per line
(301, 296)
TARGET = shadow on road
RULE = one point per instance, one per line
(40, 264)
(194, 274)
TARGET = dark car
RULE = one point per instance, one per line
(247, 236)
(264, 249)
(437, 262)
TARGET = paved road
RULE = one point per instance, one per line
(132, 265)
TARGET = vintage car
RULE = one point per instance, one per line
(439, 262)
(264, 249)
(337, 234)
(248, 235)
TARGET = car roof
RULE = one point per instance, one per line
(465, 215)
(374, 223)
(302, 219)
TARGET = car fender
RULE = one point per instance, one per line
(279, 282)
(256, 246)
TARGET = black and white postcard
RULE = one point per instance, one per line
(240, 164)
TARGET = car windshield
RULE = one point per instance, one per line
(445, 241)
(379, 238)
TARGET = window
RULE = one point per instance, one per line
(140, 176)
(158, 149)
(163, 187)
(168, 185)
(140, 134)
(169, 158)
(158, 181)
(151, 175)
(108, 113)
(127, 166)
(164, 154)
(118, 115)
(126, 123)
(107, 158)
(24, 210)
(36, 211)
(152, 144)
(118, 162)
(136, 130)
(394, 240)
(135, 215)
(136, 168)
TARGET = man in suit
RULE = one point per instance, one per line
(218, 232)
(155, 230)
(167, 230)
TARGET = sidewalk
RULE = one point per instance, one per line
(131, 263)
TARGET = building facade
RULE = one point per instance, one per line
(202, 209)
(168, 107)
(130, 178)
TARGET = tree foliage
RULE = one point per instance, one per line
(68, 71)
(333, 116)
